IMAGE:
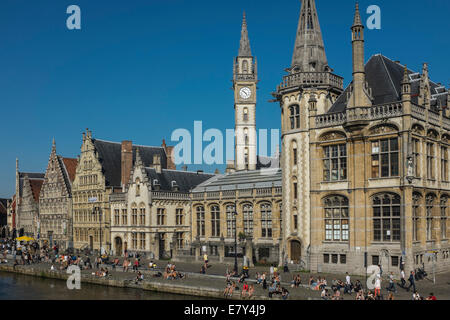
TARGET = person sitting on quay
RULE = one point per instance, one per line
(139, 277)
(431, 297)
(115, 263)
(391, 296)
(136, 265)
(244, 289)
(284, 293)
(337, 295)
(152, 265)
(360, 295)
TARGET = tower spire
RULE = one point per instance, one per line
(244, 47)
(309, 51)
(357, 19)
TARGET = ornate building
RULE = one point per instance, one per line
(369, 168)
(55, 201)
(153, 215)
(28, 187)
(103, 169)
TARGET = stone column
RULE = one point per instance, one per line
(222, 249)
(249, 251)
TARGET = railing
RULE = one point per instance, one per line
(386, 111)
(311, 78)
(264, 192)
(229, 194)
(245, 77)
(331, 119)
(213, 195)
(418, 112)
(170, 195)
(244, 193)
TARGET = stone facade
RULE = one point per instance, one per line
(375, 159)
(55, 201)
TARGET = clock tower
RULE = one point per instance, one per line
(245, 78)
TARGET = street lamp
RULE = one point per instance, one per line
(235, 237)
(99, 210)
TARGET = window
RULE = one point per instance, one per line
(142, 215)
(429, 216)
(179, 217)
(215, 221)
(294, 116)
(294, 156)
(295, 217)
(134, 215)
(179, 236)
(116, 217)
(200, 221)
(416, 215)
(444, 164)
(134, 240)
(394, 261)
(231, 223)
(343, 258)
(386, 218)
(245, 114)
(335, 163)
(443, 217)
(142, 241)
(295, 190)
(334, 258)
(160, 216)
(430, 161)
(124, 217)
(375, 260)
(266, 221)
(326, 258)
(385, 158)
(336, 219)
(248, 219)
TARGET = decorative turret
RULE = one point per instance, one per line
(424, 89)
(406, 85)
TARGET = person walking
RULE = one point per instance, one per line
(403, 278)
(378, 286)
(412, 282)
(392, 283)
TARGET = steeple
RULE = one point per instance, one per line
(309, 52)
(244, 47)
(357, 19)
(53, 145)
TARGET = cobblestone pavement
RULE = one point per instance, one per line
(215, 279)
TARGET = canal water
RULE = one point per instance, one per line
(22, 287)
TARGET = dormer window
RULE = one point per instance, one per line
(138, 187)
(156, 184)
(175, 186)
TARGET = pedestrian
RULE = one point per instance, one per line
(378, 286)
(412, 282)
(392, 283)
(135, 265)
(205, 259)
(402, 278)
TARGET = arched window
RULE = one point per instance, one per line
(294, 153)
(215, 221)
(248, 219)
(245, 66)
(429, 215)
(444, 199)
(200, 221)
(142, 214)
(138, 187)
(336, 218)
(416, 215)
(134, 214)
(386, 217)
(294, 116)
(231, 222)
(245, 114)
(246, 136)
(266, 220)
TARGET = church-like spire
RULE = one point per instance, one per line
(244, 47)
(309, 52)
(357, 19)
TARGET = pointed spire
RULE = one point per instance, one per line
(53, 144)
(405, 76)
(357, 19)
(309, 51)
(244, 47)
(138, 158)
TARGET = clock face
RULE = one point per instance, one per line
(245, 93)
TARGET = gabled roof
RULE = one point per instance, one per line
(185, 180)
(36, 185)
(31, 176)
(71, 167)
(110, 155)
(265, 178)
(385, 76)
(3, 206)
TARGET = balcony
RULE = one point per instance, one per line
(311, 79)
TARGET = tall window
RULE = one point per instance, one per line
(444, 164)
(160, 216)
(116, 217)
(142, 214)
(430, 160)
(336, 218)
(248, 219)
(245, 114)
(124, 217)
(179, 236)
(295, 190)
(386, 218)
(134, 215)
(294, 116)
(385, 158)
(142, 241)
(429, 216)
(200, 221)
(231, 223)
(416, 154)
(134, 240)
(444, 217)
(335, 163)
(416, 216)
(215, 221)
(294, 155)
(266, 221)
(179, 216)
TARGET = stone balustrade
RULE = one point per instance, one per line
(312, 78)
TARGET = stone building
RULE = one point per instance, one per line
(28, 187)
(55, 201)
(3, 217)
(153, 214)
(365, 169)
(11, 215)
(103, 169)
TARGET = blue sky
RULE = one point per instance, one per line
(139, 69)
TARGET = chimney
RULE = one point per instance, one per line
(126, 162)
(157, 163)
(169, 154)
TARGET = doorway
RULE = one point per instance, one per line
(118, 243)
(296, 251)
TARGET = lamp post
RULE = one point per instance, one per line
(235, 237)
(99, 210)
